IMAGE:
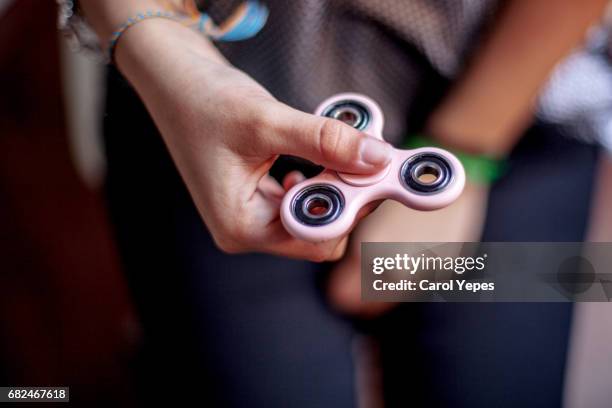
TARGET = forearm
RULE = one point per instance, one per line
(224, 130)
(493, 102)
(169, 65)
(159, 53)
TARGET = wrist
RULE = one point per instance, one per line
(105, 16)
(159, 38)
(169, 66)
(154, 49)
(472, 131)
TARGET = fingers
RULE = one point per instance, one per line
(257, 228)
(292, 178)
(277, 241)
(270, 189)
(320, 252)
(279, 129)
(339, 250)
(273, 191)
(327, 142)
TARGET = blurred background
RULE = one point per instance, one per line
(65, 313)
(66, 316)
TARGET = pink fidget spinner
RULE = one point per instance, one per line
(324, 207)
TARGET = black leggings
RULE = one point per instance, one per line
(254, 331)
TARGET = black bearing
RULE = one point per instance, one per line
(350, 112)
(431, 164)
(317, 205)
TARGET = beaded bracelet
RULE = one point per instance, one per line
(112, 43)
(248, 19)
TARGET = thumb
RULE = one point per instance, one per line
(328, 142)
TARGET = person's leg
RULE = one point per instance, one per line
(504, 354)
(240, 330)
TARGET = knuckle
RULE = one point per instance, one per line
(240, 235)
(231, 239)
(330, 138)
(263, 125)
(227, 245)
(319, 255)
(336, 255)
(260, 120)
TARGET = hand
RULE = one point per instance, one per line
(224, 131)
(462, 221)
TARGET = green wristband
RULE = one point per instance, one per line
(478, 169)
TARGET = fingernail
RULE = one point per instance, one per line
(375, 152)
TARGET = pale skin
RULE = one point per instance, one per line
(224, 130)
